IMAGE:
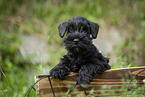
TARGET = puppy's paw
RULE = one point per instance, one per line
(59, 73)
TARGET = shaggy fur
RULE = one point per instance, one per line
(82, 57)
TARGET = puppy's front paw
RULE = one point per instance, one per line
(59, 73)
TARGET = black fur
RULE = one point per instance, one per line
(82, 57)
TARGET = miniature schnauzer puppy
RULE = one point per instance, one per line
(82, 57)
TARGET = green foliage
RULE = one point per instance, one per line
(130, 21)
(41, 17)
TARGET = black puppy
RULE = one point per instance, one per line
(82, 57)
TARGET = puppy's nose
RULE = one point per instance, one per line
(76, 40)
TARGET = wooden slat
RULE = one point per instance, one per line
(111, 80)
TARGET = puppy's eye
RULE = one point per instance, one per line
(84, 29)
(71, 29)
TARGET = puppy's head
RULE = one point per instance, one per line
(79, 33)
(79, 23)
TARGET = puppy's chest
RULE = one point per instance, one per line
(78, 60)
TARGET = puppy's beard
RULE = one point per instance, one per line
(76, 49)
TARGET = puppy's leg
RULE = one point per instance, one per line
(61, 70)
(86, 74)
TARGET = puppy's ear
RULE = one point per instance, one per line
(94, 29)
(62, 29)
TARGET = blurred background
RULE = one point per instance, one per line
(30, 44)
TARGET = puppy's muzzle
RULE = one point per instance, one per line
(76, 41)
